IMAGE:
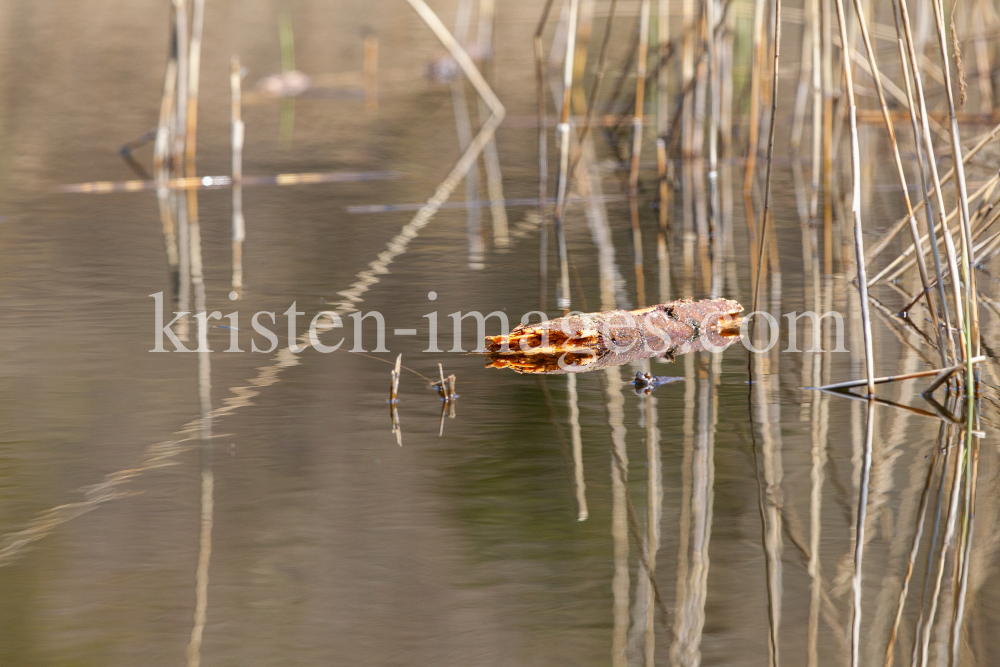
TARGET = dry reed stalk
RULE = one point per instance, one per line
(190, 148)
(940, 379)
(921, 266)
(756, 79)
(664, 49)
(826, 45)
(715, 110)
(970, 334)
(662, 252)
(904, 19)
(476, 146)
(895, 378)
(633, 178)
(239, 227)
(983, 63)
(161, 148)
(902, 222)
(463, 127)
(215, 182)
(899, 265)
(370, 70)
(689, 31)
(817, 107)
(491, 159)
(764, 238)
(699, 101)
(801, 93)
(183, 230)
(859, 246)
(562, 137)
(595, 91)
(543, 170)
(921, 172)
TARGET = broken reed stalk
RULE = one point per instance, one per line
(898, 266)
(543, 169)
(921, 266)
(859, 244)
(762, 240)
(239, 227)
(901, 223)
(394, 374)
(633, 177)
(895, 378)
(562, 139)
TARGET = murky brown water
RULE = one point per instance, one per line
(328, 542)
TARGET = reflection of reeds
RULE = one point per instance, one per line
(859, 532)
(239, 227)
(654, 494)
(161, 147)
(207, 498)
(633, 178)
(543, 168)
(563, 137)
(574, 424)
(394, 376)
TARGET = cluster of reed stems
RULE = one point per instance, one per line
(693, 73)
(174, 158)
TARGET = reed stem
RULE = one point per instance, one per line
(859, 243)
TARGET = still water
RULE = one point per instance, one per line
(290, 528)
